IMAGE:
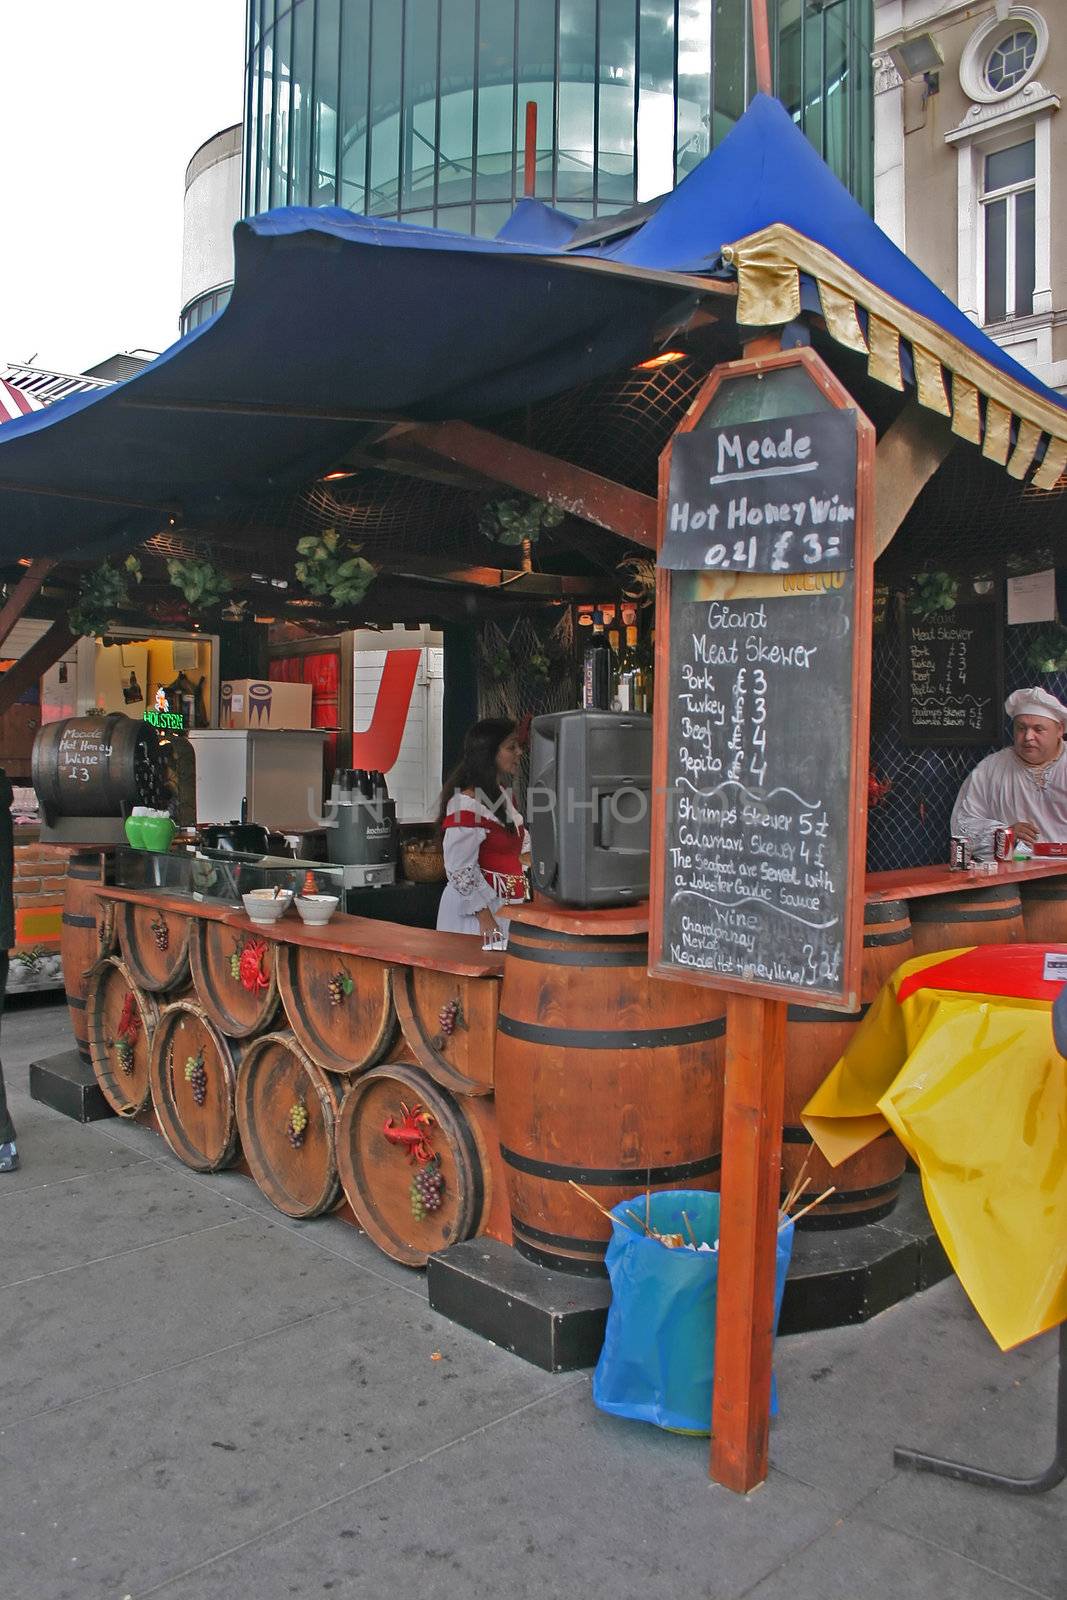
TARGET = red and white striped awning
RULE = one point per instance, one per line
(16, 402)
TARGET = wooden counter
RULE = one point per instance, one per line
(914, 882)
(391, 942)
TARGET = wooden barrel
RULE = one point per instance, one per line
(122, 1020)
(202, 1135)
(236, 977)
(458, 1054)
(81, 941)
(286, 1113)
(114, 761)
(340, 1007)
(155, 944)
(1044, 902)
(377, 1172)
(966, 917)
(867, 1186)
(604, 1076)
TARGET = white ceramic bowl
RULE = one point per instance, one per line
(317, 909)
(263, 905)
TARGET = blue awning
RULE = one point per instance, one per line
(336, 320)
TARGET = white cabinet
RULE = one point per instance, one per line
(278, 771)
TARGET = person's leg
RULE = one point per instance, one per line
(8, 1154)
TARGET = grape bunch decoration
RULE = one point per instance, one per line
(448, 1016)
(338, 987)
(296, 1127)
(427, 1188)
(235, 965)
(124, 1053)
(160, 933)
(196, 1077)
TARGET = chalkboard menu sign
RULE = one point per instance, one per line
(953, 676)
(761, 722)
(774, 496)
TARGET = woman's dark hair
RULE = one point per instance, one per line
(476, 768)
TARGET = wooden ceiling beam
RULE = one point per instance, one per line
(29, 668)
(25, 590)
(583, 494)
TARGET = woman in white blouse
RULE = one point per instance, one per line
(486, 845)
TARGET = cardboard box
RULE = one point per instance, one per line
(255, 703)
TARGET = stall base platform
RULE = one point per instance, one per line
(67, 1084)
(556, 1320)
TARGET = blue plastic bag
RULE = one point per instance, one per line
(658, 1360)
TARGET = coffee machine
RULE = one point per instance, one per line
(361, 829)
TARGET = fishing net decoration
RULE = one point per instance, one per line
(527, 668)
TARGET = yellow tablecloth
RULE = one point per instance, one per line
(970, 1081)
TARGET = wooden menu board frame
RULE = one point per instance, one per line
(843, 994)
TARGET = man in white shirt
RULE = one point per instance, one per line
(1023, 787)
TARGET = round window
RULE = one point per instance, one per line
(1010, 59)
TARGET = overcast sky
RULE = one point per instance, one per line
(105, 101)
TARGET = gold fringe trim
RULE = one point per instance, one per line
(930, 381)
(997, 437)
(884, 360)
(1050, 471)
(965, 419)
(768, 267)
(841, 318)
(768, 291)
(1022, 456)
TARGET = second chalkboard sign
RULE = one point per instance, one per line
(953, 675)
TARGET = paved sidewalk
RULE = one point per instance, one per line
(202, 1400)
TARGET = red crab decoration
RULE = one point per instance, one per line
(251, 967)
(412, 1132)
(129, 1021)
(877, 788)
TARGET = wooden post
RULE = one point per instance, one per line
(748, 1239)
(49, 649)
(761, 46)
(529, 176)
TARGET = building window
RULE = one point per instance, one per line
(1008, 201)
(1010, 60)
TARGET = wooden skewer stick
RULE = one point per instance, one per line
(648, 1201)
(640, 1224)
(592, 1200)
(689, 1229)
(813, 1203)
(796, 1188)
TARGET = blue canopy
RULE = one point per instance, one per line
(339, 321)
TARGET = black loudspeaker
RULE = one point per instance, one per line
(587, 804)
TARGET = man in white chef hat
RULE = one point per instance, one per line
(1023, 787)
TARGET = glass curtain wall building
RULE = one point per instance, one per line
(417, 108)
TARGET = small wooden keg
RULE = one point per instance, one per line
(1044, 902)
(459, 1054)
(604, 1076)
(121, 1020)
(236, 977)
(155, 944)
(967, 917)
(193, 1073)
(867, 1186)
(339, 1006)
(286, 1113)
(385, 1114)
(85, 935)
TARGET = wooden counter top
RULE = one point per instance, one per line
(390, 942)
(914, 882)
(618, 921)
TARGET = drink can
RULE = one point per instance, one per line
(959, 853)
(1003, 843)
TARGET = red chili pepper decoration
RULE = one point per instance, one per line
(877, 789)
(252, 966)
